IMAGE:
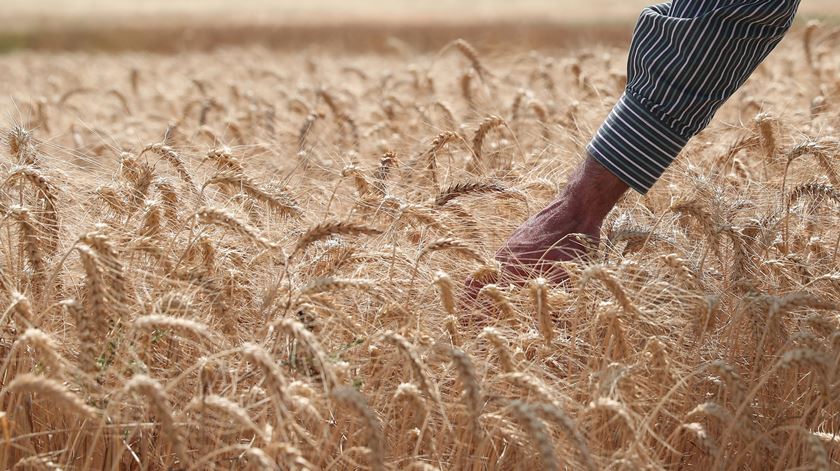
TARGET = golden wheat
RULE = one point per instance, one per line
(153, 324)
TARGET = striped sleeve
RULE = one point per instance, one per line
(686, 59)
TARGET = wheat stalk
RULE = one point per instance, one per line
(539, 294)
(502, 348)
(221, 217)
(230, 409)
(159, 402)
(307, 339)
(283, 203)
(46, 346)
(329, 229)
(447, 291)
(471, 54)
(52, 392)
(615, 287)
(451, 244)
(469, 382)
(488, 124)
(171, 156)
(499, 299)
(766, 123)
(427, 385)
(376, 440)
(538, 432)
(158, 321)
(466, 188)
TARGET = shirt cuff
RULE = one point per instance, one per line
(635, 145)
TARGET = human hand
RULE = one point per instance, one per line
(563, 231)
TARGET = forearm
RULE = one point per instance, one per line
(687, 58)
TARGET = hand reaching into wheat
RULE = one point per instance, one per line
(563, 231)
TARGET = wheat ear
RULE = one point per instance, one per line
(376, 439)
(329, 229)
(52, 392)
(158, 400)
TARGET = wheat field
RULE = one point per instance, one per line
(245, 259)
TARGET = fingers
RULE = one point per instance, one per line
(518, 271)
(474, 311)
(472, 287)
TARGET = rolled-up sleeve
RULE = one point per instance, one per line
(686, 59)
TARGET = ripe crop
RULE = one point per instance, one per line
(248, 259)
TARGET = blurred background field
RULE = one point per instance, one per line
(268, 11)
(160, 25)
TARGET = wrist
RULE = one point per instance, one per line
(592, 192)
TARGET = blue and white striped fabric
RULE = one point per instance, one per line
(686, 59)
